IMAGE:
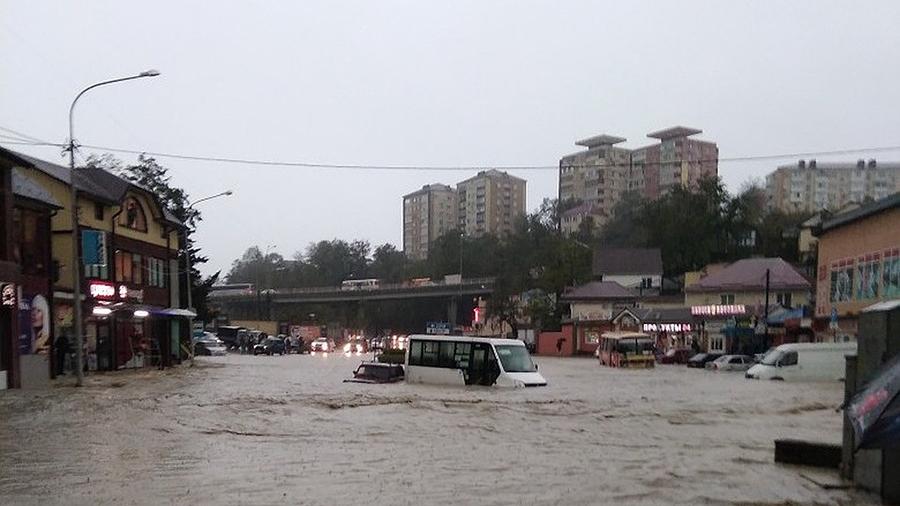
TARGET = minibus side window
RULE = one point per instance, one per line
(415, 353)
(430, 353)
(446, 358)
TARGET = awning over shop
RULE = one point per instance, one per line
(177, 311)
(782, 317)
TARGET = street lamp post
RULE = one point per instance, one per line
(73, 195)
(187, 262)
(265, 260)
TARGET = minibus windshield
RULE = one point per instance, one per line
(515, 358)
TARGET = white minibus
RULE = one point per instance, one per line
(460, 360)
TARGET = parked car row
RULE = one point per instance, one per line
(787, 362)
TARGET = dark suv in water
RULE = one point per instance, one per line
(269, 346)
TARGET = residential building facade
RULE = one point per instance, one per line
(730, 302)
(427, 214)
(637, 269)
(489, 203)
(593, 307)
(811, 186)
(571, 220)
(602, 173)
(859, 263)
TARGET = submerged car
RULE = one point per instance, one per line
(270, 346)
(701, 359)
(676, 356)
(376, 372)
(210, 347)
(731, 363)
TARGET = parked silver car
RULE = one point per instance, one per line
(732, 363)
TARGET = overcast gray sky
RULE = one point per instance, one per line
(477, 83)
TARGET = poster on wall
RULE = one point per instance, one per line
(841, 283)
(890, 274)
(34, 325)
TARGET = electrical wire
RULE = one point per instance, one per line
(315, 165)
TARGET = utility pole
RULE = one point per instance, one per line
(76, 256)
(187, 262)
(766, 321)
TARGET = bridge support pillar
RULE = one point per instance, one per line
(452, 311)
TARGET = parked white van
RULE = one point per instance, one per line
(804, 362)
(460, 360)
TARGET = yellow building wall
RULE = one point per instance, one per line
(154, 233)
(798, 298)
(61, 223)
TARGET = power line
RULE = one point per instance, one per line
(278, 163)
(247, 161)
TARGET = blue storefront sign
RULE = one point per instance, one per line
(93, 247)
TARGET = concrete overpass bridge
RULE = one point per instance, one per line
(283, 304)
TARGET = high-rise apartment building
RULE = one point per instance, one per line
(427, 214)
(602, 173)
(810, 186)
(489, 203)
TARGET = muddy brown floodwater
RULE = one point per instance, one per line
(287, 430)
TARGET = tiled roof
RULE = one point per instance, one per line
(749, 274)
(599, 290)
(627, 261)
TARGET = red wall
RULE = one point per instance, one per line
(546, 342)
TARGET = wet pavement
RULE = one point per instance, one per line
(287, 430)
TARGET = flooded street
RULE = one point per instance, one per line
(286, 430)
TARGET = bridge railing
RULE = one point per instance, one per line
(337, 289)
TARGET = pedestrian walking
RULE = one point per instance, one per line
(559, 343)
(62, 351)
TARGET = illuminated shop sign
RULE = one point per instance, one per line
(667, 327)
(719, 310)
(126, 293)
(102, 290)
